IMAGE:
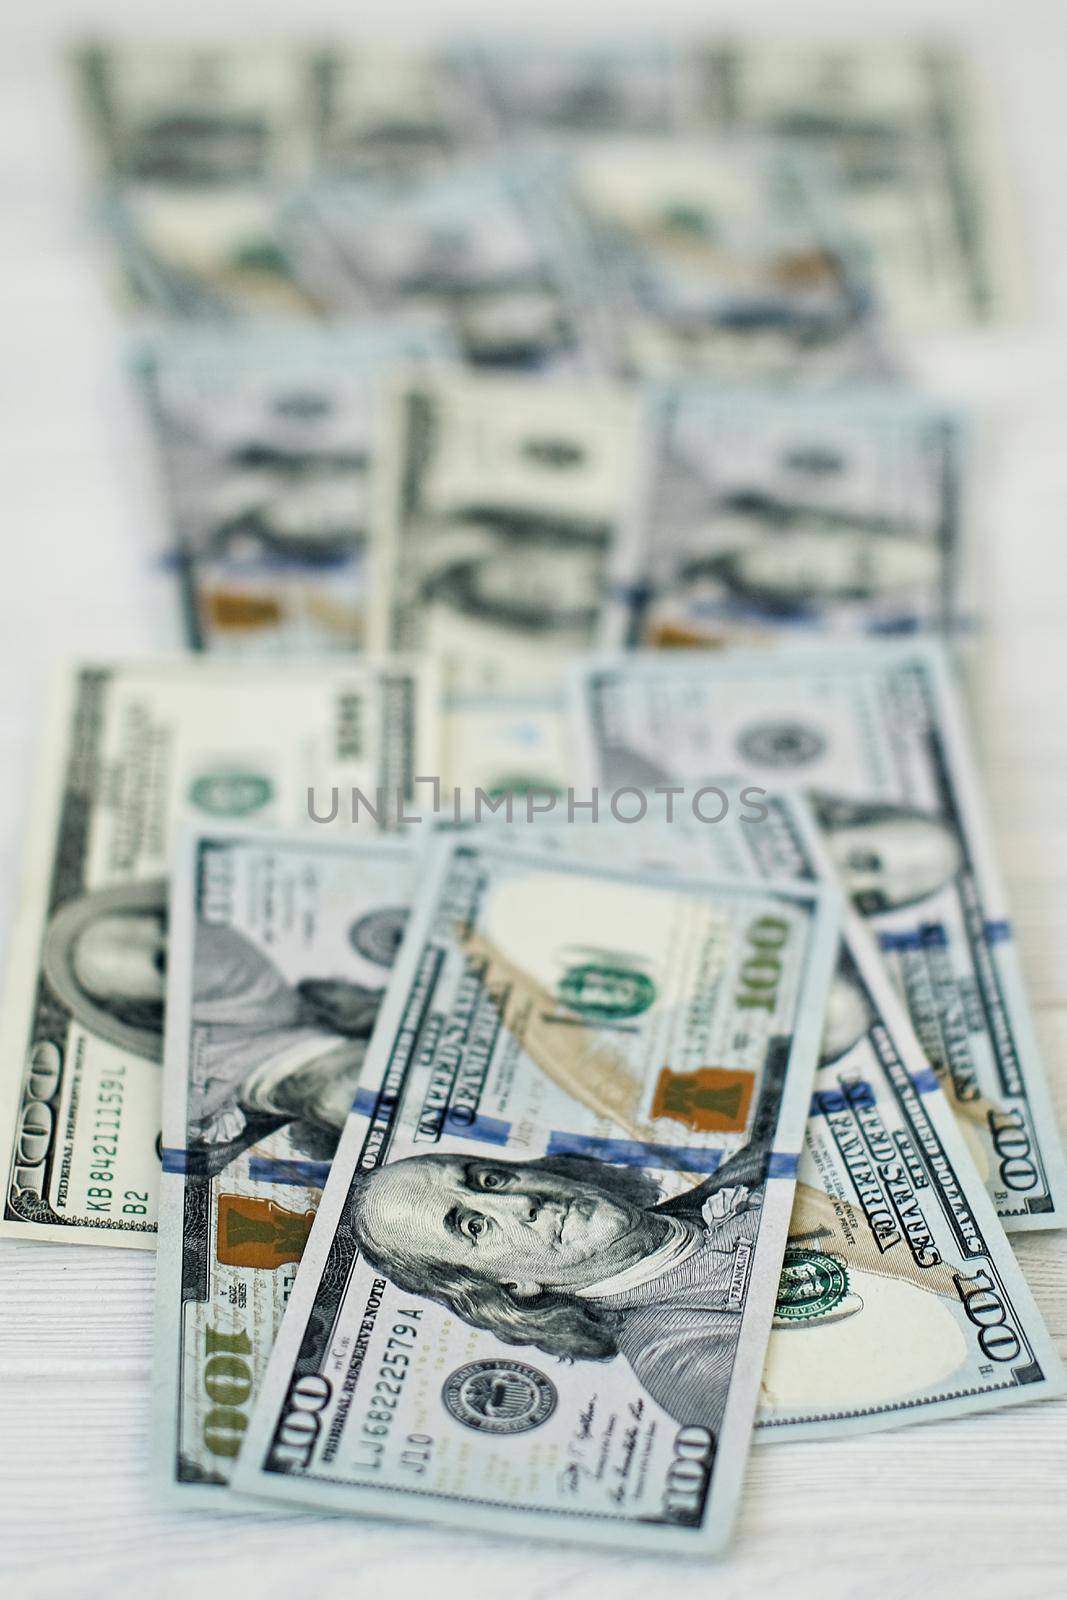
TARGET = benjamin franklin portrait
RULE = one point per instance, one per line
(269, 1053)
(581, 1258)
(536, 575)
(104, 957)
(306, 509)
(887, 855)
(787, 562)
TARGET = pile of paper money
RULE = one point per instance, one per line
(550, 1052)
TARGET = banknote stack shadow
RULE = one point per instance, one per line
(537, 967)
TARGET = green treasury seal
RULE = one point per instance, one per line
(606, 992)
(811, 1284)
(521, 784)
(230, 792)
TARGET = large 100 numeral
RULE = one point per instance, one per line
(300, 1426)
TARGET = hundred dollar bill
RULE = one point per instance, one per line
(914, 157)
(279, 951)
(128, 747)
(898, 1276)
(211, 114)
(904, 128)
(196, 114)
(267, 444)
(514, 1186)
(500, 500)
(498, 248)
(874, 735)
(768, 511)
(397, 114)
(900, 1299)
(725, 260)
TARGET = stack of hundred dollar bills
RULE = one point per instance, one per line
(537, 969)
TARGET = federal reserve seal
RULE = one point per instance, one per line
(230, 793)
(606, 993)
(499, 1396)
(378, 935)
(811, 1285)
(780, 744)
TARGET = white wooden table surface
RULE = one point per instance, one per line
(974, 1508)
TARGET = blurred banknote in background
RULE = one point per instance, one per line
(726, 260)
(717, 263)
(395, 114)
(267, 443)
(915, 162)
(497, 248)
(874, 736)
(769, 512)
(568, 92)
(513, 1175)
(500, 501)
(159, 112)
(128, 748)
(902, 128)
(215, 114)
